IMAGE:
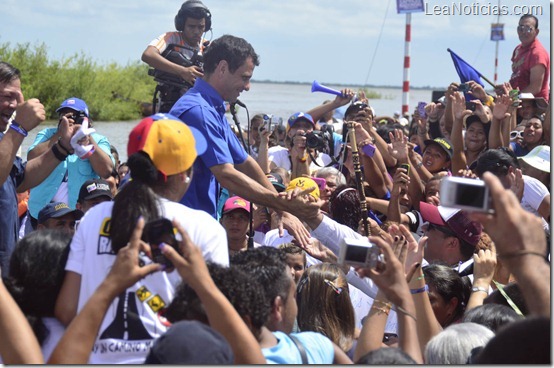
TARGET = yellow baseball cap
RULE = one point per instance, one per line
(304, 183)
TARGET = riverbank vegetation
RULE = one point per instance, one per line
(112, 92)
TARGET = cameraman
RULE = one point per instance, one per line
(191, 22)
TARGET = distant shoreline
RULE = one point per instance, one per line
(349, 85)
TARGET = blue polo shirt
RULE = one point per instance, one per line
(203, 108)
(78, 171)
(9, 219)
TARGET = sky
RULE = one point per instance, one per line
(346, 42)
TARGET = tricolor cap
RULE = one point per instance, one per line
(171, 144)
(304, 183)
(75, 104)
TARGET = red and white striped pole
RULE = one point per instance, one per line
(406, 83)
(496, 64)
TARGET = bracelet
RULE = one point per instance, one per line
(303, 159)
(521, 253)
(385, 304)
(62, 147)
(381, 310)
(18, 128)
(365, 142)
(400, 309)
(479, 288)
(422, 277)
(420, 290)
(419, 164)
(60, 156)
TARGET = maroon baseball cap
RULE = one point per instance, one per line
(454, 219)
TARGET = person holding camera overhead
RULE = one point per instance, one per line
(191, 22)
(84, 155)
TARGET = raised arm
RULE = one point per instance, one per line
(220, 312)
(521, 245)
(500, 115)
(458, 103)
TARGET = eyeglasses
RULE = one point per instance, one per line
(515, 134)
(442, 229)
(526, 29)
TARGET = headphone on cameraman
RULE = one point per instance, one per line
(186, 11)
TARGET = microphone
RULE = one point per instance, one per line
(240, 103)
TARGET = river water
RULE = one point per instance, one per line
(281, 100)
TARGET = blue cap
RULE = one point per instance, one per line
(55, 210)
(298, 116)
(75, 104)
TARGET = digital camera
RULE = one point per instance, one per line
(359, 252)
(320, 140)
(466, 194)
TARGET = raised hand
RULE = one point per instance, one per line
(30, 113)
(459, 106)
(501, 107)
(398, 148)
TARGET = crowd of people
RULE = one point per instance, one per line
(320, 242)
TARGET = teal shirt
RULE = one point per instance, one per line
(78, 172)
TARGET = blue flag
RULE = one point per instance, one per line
(465, 71)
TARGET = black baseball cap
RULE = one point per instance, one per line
(94, 188)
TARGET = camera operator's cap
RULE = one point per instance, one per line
(94, 188)
(190, 342)
(304, 183)
(75, 104)
(540, 102)
(454, 219)
(277, 182)
(299, 116)
(236, 203)
(442, 143)
(55, 210)
(171, 144)
(539, 158)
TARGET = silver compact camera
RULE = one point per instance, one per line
(359, 252)
(466, 194)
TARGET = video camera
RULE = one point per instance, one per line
(178, 58)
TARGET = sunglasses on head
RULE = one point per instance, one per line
(516, 134)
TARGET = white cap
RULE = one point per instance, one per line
(539, 158)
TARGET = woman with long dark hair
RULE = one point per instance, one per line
(161, 151)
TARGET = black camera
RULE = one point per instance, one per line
(156, 232)
(320, 140)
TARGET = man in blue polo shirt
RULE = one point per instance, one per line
(229, 63)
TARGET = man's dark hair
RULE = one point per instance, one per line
(8, 73)
(522, 342)
(244, 293)
(496, 160)
(386, 356)
(234, 50)
(194, 9)
(513, 291)
(492, 316)
(268, 266)
(525, 16)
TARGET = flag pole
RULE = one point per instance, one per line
(476, 71)
(406, 83)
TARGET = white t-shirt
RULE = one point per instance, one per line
(280, 156)
(533, 194)
(133, 320)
